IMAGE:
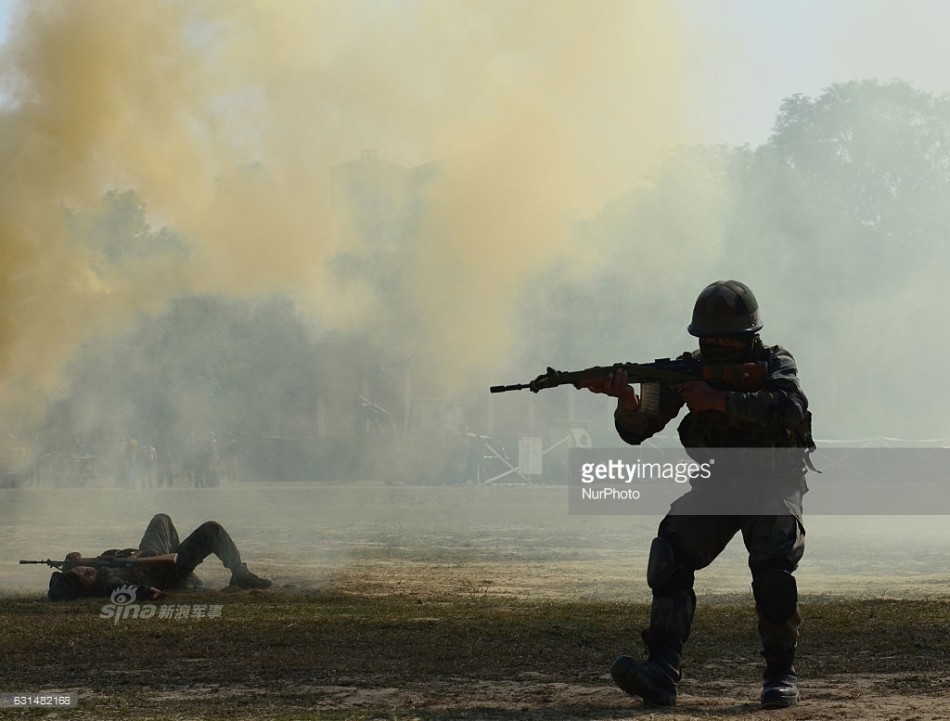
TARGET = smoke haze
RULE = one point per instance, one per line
(546, 216)
(537, 138)
(226, 118)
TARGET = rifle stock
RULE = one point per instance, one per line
(735, 376)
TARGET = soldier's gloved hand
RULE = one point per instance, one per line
(699, 396)
(73, 556)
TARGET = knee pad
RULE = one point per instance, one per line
(661, 565)
(776, 594)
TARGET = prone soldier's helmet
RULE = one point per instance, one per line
(726, 307)
(63, 587)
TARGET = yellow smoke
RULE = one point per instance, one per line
(535, 111)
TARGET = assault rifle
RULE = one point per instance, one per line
(733, 376)
(109, 561)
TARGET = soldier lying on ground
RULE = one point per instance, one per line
(173, 566)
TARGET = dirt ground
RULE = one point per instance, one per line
(456, 603)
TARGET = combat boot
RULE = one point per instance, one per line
(780, 684)
(653, 680)
(243, 578)
(779, 641)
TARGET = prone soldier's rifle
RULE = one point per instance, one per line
(109, 561)
(734, 376)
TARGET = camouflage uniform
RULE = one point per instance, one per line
(774, 417)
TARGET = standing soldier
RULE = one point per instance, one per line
(191, 460)
(126, 474)
(231, 459)
(147, 460)
(727, 322)
(164, 464)
(211, 460)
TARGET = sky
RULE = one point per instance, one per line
(751, 54)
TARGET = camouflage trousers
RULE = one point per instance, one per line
(775, 545)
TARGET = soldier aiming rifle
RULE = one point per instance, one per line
(739, 393)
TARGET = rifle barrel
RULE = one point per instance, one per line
(749, 376)
(515, 387)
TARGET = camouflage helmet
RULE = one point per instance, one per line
(726, 307)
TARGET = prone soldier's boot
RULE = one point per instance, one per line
(210, 537)
(653, 680)
(243, 578)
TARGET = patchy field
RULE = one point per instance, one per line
(465, 603)
(353, 655)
